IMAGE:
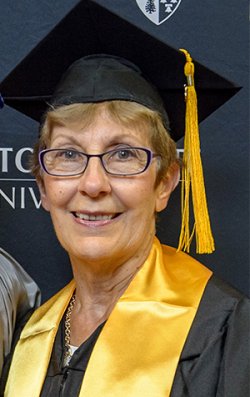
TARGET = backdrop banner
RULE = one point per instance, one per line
(216, 35)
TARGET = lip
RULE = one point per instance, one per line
(94, 219)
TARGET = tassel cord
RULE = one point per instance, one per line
(192, 175)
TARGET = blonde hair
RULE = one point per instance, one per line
(125, 112)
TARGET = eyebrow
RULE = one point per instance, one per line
(124, 139)
(67, 138)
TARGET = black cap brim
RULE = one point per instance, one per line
(89, 29)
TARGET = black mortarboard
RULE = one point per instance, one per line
(90, 29)
(104, 77)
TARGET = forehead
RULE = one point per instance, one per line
(125, 113)
(102, 127)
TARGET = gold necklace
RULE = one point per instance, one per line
(67, 351)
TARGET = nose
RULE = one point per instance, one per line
(94, 181)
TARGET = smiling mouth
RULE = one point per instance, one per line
(91, 217)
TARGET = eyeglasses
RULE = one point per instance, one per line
(121, 161)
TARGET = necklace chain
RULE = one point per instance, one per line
(67, 353)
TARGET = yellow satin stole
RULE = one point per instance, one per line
(138, 350)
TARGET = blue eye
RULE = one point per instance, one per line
(127, 154)
(67, 154)
(123, 154)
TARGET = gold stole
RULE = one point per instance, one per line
(138, 350)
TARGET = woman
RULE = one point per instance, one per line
(139, 319)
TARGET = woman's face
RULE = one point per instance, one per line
(100, 218)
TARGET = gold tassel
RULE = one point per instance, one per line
(192, 175)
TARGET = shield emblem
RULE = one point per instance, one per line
(158, 11)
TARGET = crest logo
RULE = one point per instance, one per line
(158, 11)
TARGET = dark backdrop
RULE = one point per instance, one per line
(216, 34)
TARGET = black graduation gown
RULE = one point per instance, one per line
(214, 361)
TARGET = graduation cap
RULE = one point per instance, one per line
(89, 28)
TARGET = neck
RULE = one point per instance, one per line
(102, 279)
(98, 291)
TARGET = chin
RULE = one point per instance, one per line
(92, 250)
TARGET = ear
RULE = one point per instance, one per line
(43, 195)
(167, 186)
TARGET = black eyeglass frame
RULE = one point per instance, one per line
(150, 156)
